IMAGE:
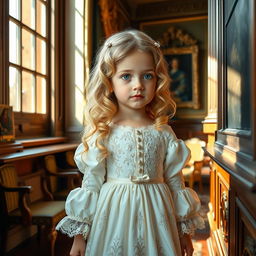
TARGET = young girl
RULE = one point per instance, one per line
(133, 200)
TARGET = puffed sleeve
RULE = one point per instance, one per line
(81, 202)
(186, 201)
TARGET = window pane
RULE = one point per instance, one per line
(28, 13)
(28, 49)
(14, 43)
(41, 56)
(14, 88)
(41, 95)
(14, 8)
(41, 18)
(28, 92)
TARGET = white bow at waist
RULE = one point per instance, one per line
(136, 180)
(140, 179)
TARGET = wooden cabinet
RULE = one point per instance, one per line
(232, 213)
(218, 215)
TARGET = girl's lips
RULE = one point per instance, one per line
(137, 96)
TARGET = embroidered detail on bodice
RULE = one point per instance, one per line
(131, 151)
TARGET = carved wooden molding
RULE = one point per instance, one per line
(113, 16)
(176, 37)
(170, 9)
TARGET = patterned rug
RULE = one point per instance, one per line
(203, 212)
(199, 239)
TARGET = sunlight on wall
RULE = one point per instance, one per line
(75, 75)
(212, 64)
(234, 96)
(229, 157)
(79, 60)
(52, 62)
(212, 84)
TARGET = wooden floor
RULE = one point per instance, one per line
(63, 243)
(32, 248)
(200, 237)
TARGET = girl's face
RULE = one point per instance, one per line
(134, 82)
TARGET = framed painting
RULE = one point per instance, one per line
(7, 131)
(183, 71)
(185, 38)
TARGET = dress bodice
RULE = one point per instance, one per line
(135, 152)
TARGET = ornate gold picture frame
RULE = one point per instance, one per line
(184, 37)
(183, 70)
(7, 130)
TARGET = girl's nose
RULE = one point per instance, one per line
(138, 85)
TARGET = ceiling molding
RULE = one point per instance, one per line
(170, 9)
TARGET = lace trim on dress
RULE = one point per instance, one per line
(72, 227)
(189, 226)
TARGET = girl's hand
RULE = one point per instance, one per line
(186, 245)
(78, 247)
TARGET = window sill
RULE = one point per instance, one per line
(29, 143)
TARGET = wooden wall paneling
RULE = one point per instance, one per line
(247, 231)
(188, 128)
(242, 220)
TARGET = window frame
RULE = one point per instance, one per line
(22, 119)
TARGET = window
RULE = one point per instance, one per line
(28, 55)
(33, 42)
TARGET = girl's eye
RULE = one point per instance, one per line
(126, 77)
(148, 76)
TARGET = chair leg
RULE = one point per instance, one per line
(39, 233)
(3, 240)
(52, 237)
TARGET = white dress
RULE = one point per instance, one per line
(134, 202)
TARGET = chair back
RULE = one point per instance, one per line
(70, 159)
(51, 166)
(195, 145)
(9, 178)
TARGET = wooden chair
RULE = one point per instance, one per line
(54, 173)
(20, 206)
(70, 159)
(192, 172)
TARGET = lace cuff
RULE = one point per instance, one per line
(189, 226)
(72, 227)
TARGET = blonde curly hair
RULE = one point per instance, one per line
(101, 103)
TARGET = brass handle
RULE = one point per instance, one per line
(224, 214)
